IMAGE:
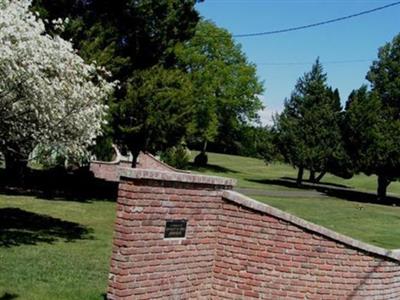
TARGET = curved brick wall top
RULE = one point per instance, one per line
(264, 208)
(108, 170)
(176, 177)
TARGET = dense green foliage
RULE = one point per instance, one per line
(177, 157)
(257, 142)
(226, 86)
(308, 129)
(133, 40)
(124, 35)
(156, 110)
(373, 122)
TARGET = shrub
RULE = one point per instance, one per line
(177, 157)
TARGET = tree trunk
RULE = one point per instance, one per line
(135, 153)
(204, 147)
(300, 176)
(16, 168)
(312, 176)
(383, 183)
(201, 159)
(320, 176)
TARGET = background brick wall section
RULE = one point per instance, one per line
(261, 257)
(110, 170)
(145, 265)
(232, 250)
(148, 161)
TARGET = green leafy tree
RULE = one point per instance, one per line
(373, 120)
(308, 129)
(225, 84)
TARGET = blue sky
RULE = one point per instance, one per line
(354, 39)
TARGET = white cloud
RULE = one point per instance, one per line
(267, 114)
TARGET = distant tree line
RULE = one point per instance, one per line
(315, 133)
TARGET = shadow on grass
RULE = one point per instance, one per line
(60, 184)
(291, 179)
(8, 296)
(20, 227)
(344, 193)
(210, 167)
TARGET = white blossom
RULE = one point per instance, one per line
(48, 95)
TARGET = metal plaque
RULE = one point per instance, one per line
(175, 229)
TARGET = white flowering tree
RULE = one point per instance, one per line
(48, 96)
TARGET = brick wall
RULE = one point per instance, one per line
(109, 170)
(235, 247)
(263, 253)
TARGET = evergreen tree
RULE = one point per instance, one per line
(156, 111)
(308, 129)
(124, 35)
(373, 120)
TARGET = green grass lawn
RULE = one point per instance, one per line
(251, 172)
(54, 249)
(247, 171)
(372, 223)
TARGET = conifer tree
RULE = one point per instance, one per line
(308, 129)
(372, 128)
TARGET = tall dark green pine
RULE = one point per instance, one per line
(308, 129)
(373, 120)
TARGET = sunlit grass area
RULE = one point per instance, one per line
(54, 249)
(372, 223)
(254, 173)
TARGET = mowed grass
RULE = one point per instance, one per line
(54, 249)
(254, 173)
(246, 170)
(372, 223)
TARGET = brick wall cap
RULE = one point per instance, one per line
(175, 176)
(264, 208)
